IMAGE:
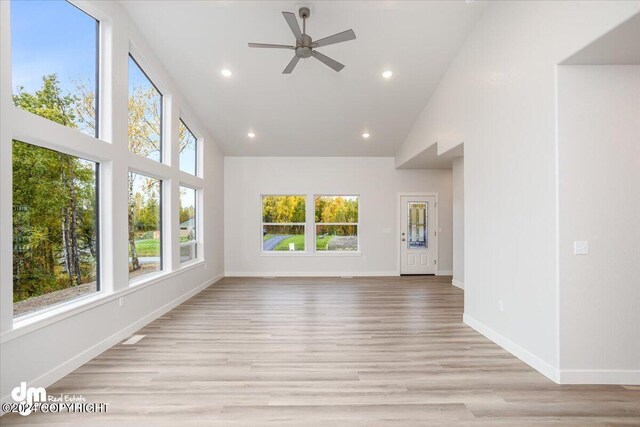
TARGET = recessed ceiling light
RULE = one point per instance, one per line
(226, 72)
(387, 74)
(251, 135)
(366, 135)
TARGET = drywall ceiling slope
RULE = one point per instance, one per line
(314, 111)
(432, 158)
(620, 46)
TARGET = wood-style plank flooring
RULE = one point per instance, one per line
(326, 352)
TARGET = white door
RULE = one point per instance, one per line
(418, 237)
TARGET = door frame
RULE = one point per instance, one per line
(399, 218)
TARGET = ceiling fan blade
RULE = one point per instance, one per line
(272, 46)
(291, 65)
(327, 61)
(293, 24)
(336, 38)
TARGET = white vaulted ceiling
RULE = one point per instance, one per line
(314, 111)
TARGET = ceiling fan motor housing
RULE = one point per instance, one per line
(303, 46)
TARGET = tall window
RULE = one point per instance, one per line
(283, 223)
(54, 49)
(145, 114)
(336, 223)
(55, 228)
(145, 225)
(188, 150)
(188, 224)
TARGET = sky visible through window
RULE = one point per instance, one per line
(50, 37)
(137, 78)
(188, 147)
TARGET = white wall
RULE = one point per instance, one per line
(46, 348)
(373, 178)
(457, 177)
(499, 98)
(599, 188)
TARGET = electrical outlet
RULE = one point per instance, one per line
(501, 306)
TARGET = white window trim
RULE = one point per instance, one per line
(197, 173)
(315, 224)
(110, 150)
(163, 241)
(198, 209)
(182, 113)
(165, 149)
(309, 223)
(303, 224)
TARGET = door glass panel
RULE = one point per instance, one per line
(417, 225)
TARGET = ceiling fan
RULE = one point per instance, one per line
(305, 46)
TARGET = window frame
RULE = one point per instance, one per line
(161, 208)
(98, 129)
(99, 293)
(114, 160)
(196, 242)
(303, 224)
(316, 224)
(197, 149)
(99, 19)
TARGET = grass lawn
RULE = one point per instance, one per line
(322, 242)
(148, 247)
(298, 240)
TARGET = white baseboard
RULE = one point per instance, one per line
(310, 273)
(521, 353)
(457, 283)
(618, 377)
(444, 273)
(94, 351)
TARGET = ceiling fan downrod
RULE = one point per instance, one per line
(304, 13)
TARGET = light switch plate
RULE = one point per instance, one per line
(581, 247)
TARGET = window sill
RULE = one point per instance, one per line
(48, 316)
(57, 310)
(148, 279)
(311, 254)
(188, 265)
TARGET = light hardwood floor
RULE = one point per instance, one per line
(326, 352)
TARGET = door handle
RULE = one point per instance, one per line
(403, 239)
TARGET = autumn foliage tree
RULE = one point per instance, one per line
(54, 204)
(55, 239)
(337, 210)
(55, 235)
(283, 209)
